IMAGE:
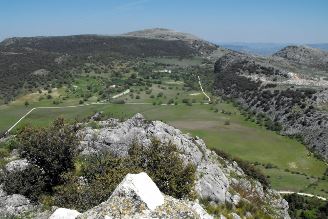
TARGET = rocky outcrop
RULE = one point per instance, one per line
(137, 196)
(12, 205)
(217, 179)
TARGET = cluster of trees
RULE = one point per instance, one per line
(63, 57)
(228, 80)
(301, 207)
(16, 73)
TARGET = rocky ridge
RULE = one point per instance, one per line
(217, 180)
(204, 47)
(304, 55)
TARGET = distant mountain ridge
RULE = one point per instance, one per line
(91, 44)
(149, 42)
(203, 46)
(304, 55)
(265, 49)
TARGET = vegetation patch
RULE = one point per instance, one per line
(58, 175)
(301, 207)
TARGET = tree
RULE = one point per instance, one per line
(52, 149)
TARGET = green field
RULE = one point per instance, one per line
(294, 168)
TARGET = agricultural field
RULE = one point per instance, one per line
(220, 124)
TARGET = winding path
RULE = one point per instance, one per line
(201, 87)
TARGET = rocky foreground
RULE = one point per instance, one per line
(218, 180)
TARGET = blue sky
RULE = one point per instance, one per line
(281, 21)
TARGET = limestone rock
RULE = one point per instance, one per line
(217, 179)
(141, 186)
(118, 139)
(137, 196)
(235, 216)
(13, 205)
(64, 213)
(17, 165)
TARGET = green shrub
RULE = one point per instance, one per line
(103, 172)
(52, 149)
(306, 207)
(118, 101)
(29, 182)
(171, 101)
(227, 122)
(176, 181)
(4, 152)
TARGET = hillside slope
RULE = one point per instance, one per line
(95, 44)
(264, 91)
(59, 55)
(305, 55)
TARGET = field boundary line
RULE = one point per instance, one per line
(49, 107)
(63, 107)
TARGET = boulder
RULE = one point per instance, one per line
(141, 187)
(64, 213)
(137, 196)
(13, 205)
(16, 165)
(235, 216)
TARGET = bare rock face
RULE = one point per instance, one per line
(137, 196)
(217, 179)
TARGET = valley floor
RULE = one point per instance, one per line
(286, 162)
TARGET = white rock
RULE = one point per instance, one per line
(235, 216)
(235, 199)
(13, 205)
(17, 165)
(64, 213)
(201, 212)
(143, 186)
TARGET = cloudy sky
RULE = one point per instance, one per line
(280, 21)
